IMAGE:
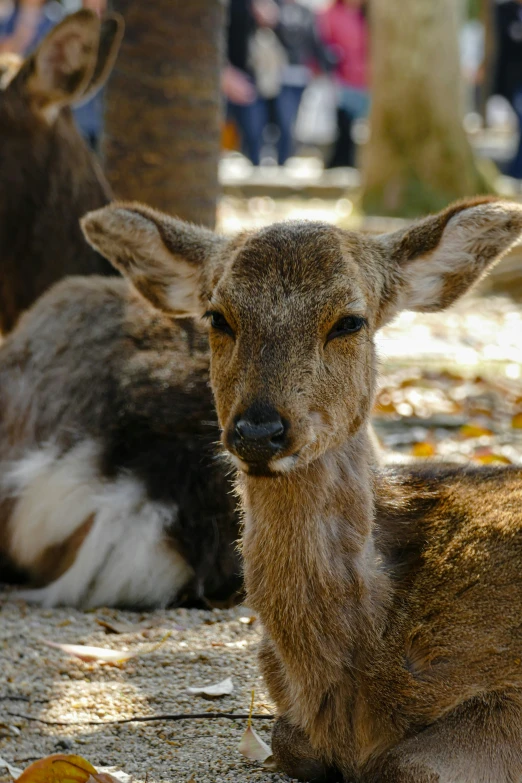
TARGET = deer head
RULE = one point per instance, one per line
(293, 308)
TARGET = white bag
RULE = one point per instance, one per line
(317, 117)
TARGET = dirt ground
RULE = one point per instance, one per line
(451, 387)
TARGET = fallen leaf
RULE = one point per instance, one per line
(13, 771)
(487, 457)
(253, 747)
(423, 449)
(58, 768)
(516, 421)
(88, 654)
(472, 430)
(223, 688)
(112, 775)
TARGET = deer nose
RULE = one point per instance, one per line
(259, 434)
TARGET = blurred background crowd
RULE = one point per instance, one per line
(296, 77)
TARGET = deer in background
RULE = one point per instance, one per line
(391, 599)
(48, 176)
(110, 490)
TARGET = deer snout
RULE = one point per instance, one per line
(258, 434)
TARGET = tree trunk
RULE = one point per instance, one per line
(162, 116)
(418, 158)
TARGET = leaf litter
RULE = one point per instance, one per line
(223, 688)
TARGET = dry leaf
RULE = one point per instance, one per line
(472, 430)
(13, 771)
(112, 775)
(88, 654)
(423, 449)
(58, 768)
(253, 747)
(487, 457)
(247, 620)
(516, 421)
(223, 688)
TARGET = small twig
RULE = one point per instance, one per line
(144, 718)
(24, 698)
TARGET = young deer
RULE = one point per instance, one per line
(48, 176)
(391, 600)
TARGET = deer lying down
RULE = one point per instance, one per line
(48, 176)
(110, 492)
(391, 600)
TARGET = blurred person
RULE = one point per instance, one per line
(244, 104)
(296, 29)
(24, 24)
(343, 28)
(508, 67)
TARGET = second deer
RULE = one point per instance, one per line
(391, 600)
(48, 176)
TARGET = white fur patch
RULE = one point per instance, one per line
(125, 558)
(283, 465)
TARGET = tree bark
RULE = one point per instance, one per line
(418, 158)
(163, 106)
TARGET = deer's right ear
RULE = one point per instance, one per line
(111, 34)
(63, 65)
(163, 257)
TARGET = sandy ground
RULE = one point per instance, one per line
(37, 682)
(203, 648)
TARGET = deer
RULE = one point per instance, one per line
(111, 492)
(390, 598)
(49, 177)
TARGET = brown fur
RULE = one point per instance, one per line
(92, 363)
(48, 176)
(391, 601)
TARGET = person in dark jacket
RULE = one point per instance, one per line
(297, 31)
(508, 75)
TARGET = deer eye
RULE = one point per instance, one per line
(219, 322)
(350, 324)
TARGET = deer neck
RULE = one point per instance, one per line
(312, 573)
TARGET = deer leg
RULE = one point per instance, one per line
(479, 742)
(294, 755)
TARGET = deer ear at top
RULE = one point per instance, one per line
(62, 67)
(164, 258)
(111, 34)
(439, 258)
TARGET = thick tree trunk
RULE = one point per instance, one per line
(418, 158)
(162, 116)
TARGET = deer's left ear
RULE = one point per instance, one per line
(438, 259)
(164, 258)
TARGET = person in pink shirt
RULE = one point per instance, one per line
(343, 28)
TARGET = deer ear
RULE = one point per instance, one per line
(438, 259)
(111, 34)
(163, 257)
(63, 65)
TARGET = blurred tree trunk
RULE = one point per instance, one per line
(418, 157)
(162, 106)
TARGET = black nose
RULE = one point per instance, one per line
(259, 434)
